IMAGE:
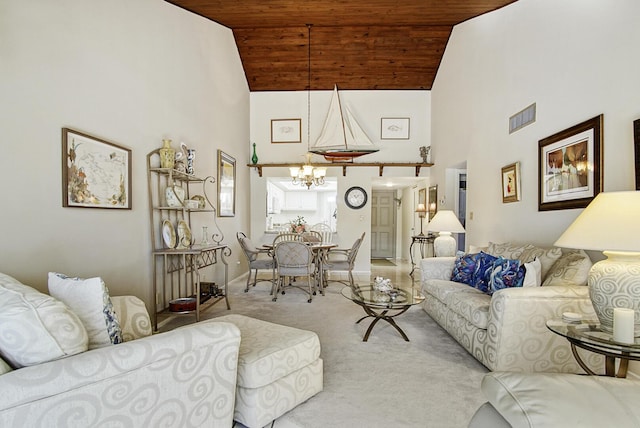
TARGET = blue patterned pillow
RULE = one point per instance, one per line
(506, 273)
(482, 275)
(464, 268)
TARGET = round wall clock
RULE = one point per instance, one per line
(355, 197)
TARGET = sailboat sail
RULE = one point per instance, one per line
(341, 137)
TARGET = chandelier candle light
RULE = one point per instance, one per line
(307, 175)
(610, 224)
(445, 222)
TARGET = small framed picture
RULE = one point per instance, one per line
(95, 173)
(511, 183)
(286, 130)
(570, 166)
(394, 128)
(226, 185)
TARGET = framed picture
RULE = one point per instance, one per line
(570, 166)
(226, 185)
(433, 201)
(511, 183)
(95, 172)
(394, 128)
(286, 130)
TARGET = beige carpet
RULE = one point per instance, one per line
(385, 382)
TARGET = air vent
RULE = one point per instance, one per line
(522, 118)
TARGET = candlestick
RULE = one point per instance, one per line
(623, 321)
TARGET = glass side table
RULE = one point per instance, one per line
(586, 334)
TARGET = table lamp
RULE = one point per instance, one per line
(610, 224)
(422, 213)
(445, 222)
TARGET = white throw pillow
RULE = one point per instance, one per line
(36, 328)
(547, 257)
(89, 299)
(570, 269)
(533, 274)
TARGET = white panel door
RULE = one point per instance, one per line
(383, 224)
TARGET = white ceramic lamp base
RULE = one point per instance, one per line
(445, 245)
(615, 283)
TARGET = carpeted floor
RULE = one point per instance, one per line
(385, 382)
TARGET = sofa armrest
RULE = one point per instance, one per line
(519, 339)
(436, 268)
(185, 377)
(133, 317)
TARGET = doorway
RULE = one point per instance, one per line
(383, 224)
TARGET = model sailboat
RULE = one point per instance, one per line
(341, 139)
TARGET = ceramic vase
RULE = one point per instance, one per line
(254, 158)
(167, 155)
(191, 157)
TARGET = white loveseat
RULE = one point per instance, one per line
(507, 331)
(186, 377)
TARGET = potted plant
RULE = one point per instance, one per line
(299, 225)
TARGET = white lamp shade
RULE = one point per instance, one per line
(445, 221)
(610, 222)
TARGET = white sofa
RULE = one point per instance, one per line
(507, 331)
(542, 400)
(186, 377)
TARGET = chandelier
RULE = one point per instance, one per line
(307, 175)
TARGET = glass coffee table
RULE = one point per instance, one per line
(383, 305)
(588, 335)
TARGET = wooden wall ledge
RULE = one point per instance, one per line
(344, 165)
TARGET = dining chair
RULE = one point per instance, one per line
(284, 237)
(342, 260)
(258, 258)
(294, 259)
(324, 230)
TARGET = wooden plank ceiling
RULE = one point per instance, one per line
(356, 44)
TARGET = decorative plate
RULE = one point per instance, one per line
(168, 234)
(184, 235)
(175, 196)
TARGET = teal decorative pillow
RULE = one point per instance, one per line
(482, 275)
(464, 268)
(89, 299)
(506, 273)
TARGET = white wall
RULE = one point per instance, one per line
(368, 108)
(575, 59)
(130, 72)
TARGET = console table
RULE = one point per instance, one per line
(425, 242)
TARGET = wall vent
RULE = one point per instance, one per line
(522, 118)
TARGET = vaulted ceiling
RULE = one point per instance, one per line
(356, 44)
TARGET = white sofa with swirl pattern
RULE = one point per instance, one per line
(507, 331)
(48, 378)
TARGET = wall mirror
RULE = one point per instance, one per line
(433, 201)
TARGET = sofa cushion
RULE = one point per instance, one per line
(533, 274)
(36, 328)
(482, 276)
(506, 273)
(89, 299)
(474, 307)
(441, 289)
(464, 268)
(270, 351)
(507, 250)
(547, 257)
(570, 269)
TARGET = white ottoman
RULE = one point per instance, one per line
(279, 367)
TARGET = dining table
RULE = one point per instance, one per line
(320, 255)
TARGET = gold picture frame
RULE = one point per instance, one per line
(226, 185)
(95, 173)
(511, 183)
